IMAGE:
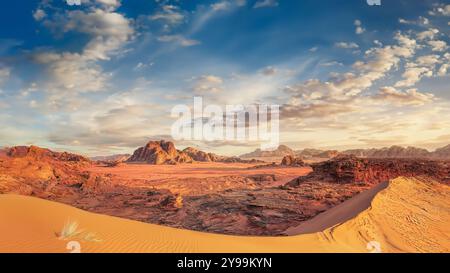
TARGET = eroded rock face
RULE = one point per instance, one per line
(159, 152)
(402, 152)
(200, 156)
(350, 169)
(44, 154)
(164, 152)
(292, 161)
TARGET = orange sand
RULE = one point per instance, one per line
(410, 215)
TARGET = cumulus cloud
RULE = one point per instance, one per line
(359, 28)
(413, 74)
(107, 30)
(428, 60)
(438, 45)
(428, 34)
(409, 97)
(441, 9)
(343, 92)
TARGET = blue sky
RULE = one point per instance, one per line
(102, 76)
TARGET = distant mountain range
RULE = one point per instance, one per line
(164, 152)
(281, 151)
(116, 157)
(387, 152)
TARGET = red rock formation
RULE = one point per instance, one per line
(401, 152)
(42, 153)
(292, 161)
(159, 152)
(200, 156)
(350, 169)
(282, 150)
(164, 152)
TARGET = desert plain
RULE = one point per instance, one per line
(161, 199)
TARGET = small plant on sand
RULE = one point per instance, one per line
(70, 231)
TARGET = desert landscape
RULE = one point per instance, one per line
(225, 126)
(148, 201)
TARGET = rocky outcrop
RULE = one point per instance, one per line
(291, 161)
(43, 154)
(391, 152)
(281, 151)
(201, 156)
(159, 152)
(401, 152)
(351, 169)
(442, 153)
(164, 152)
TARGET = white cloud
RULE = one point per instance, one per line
(346, 45)
(412, 75)
(428, 34)
(179, 39)
(169, 14)
(266, 4)
(223, 5)
(441, 10)
(422, 21)
(443, 70)
(76, 72)
(343, 93)
(428, 60)
(409, 97)
(359, 28)
(438, 45)
(111, 4)
(39, 14)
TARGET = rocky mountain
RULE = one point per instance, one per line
(351, 169)
(111, 158)
(201, 156)
(315, 153)
(281, 151)
(39, 153)
(291, 161)
(159, 152)
(164, 152)
(29, 170)
(443, 153)
(401, 152)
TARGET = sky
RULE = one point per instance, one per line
(101, 77)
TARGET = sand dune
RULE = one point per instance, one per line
(410, 215)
